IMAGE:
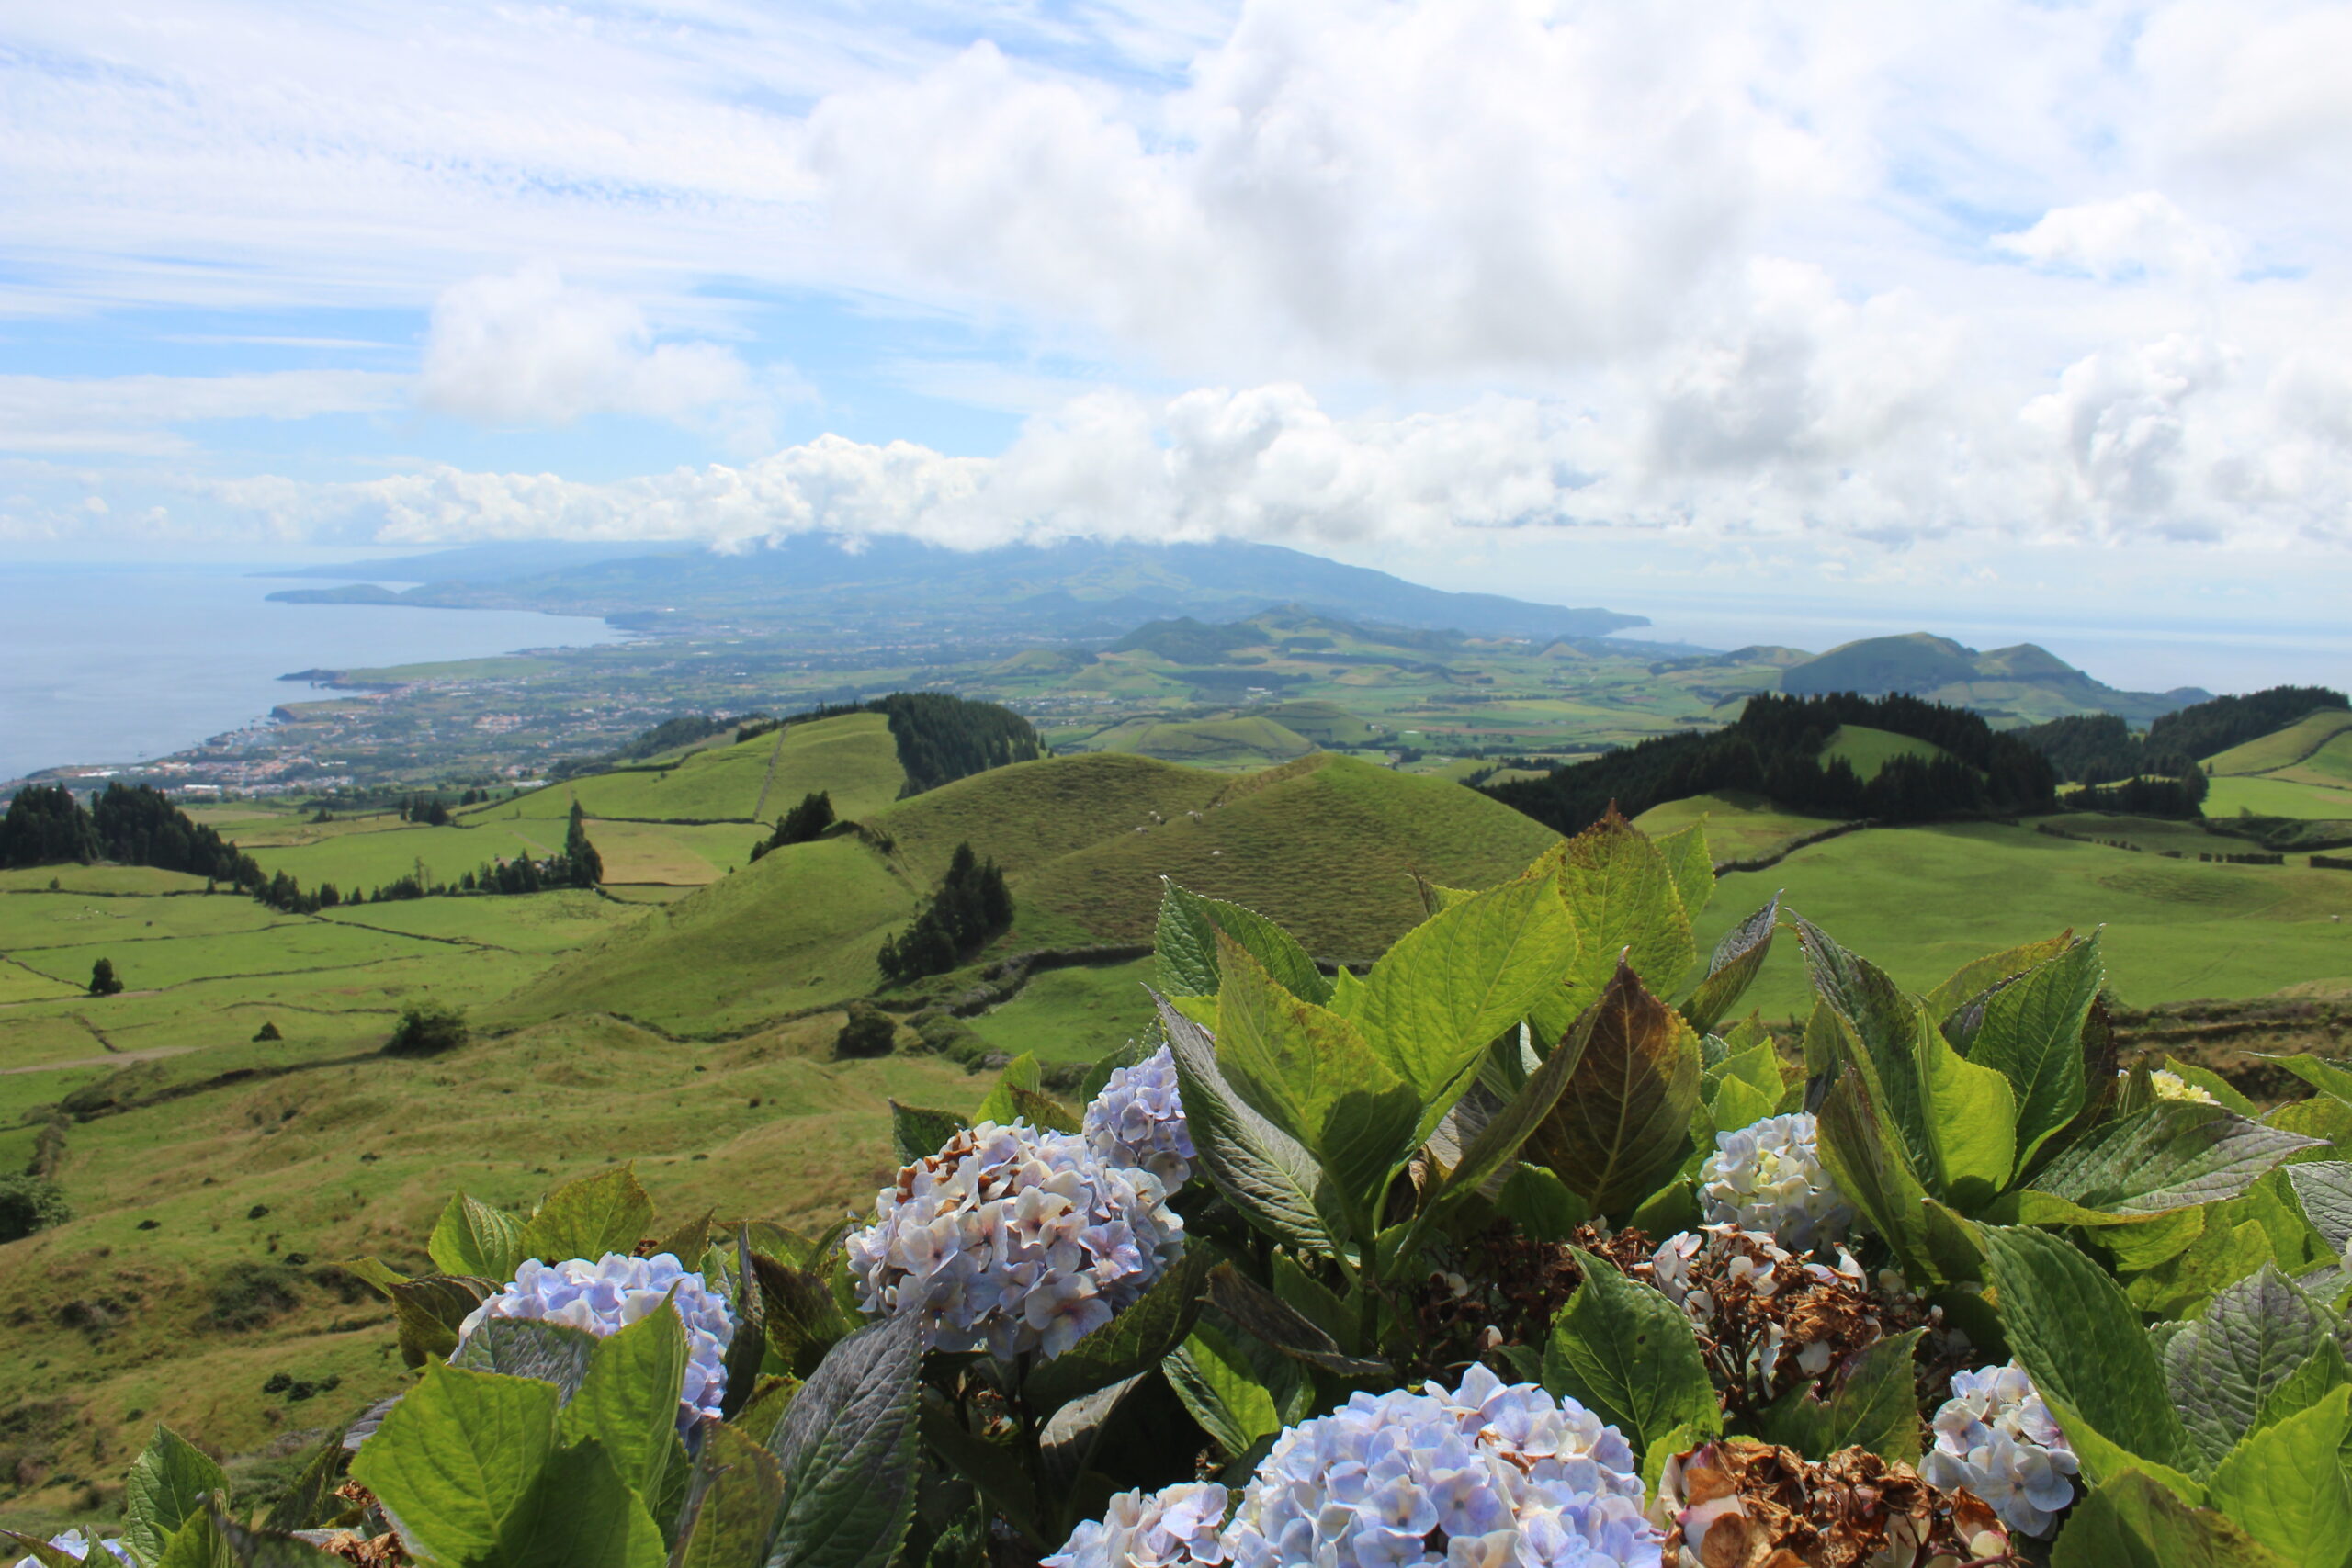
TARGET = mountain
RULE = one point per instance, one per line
(817, 589)
(2024, 683)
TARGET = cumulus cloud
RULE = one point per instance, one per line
(527, 348)
(2142, 235)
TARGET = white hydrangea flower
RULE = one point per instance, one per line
(1138, 1120)
(76, 1545)
(614, 1292)
(1996, 1438)
(1176, 1525)
(1767, 1177)
(1014, 1240)
(1488, 1476)
(2172, 1086)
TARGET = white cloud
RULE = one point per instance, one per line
(528, 349)
(2142, 235)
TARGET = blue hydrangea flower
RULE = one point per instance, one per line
(1014, 1240)
(1767, 1177)
(1138, 1120)
(1996, 1438)
(76, 1545)
(1484, 1476)
(614, 1292)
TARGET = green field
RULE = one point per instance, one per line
(2282, 747)
(853, 757)
(1866, 750)
(1235, 743)
(2277, 797)
(1921, 902)
(1739, 826)
(1079, 1014)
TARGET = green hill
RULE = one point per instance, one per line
(852, 756)
(1326, 724)
(2024, 683)
(2285, 747)
(1249, 742)
(1328, 845)
(1866, 750)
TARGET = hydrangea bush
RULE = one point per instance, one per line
(1427, 1262)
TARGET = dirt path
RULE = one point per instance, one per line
(151, 1052)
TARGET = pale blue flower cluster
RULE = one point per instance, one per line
(1767, 1177)
(1488, 1475)
(76, 1545)
(1996, 1438)
(1138, 1120)
(1014, 1240)
(614, 1292)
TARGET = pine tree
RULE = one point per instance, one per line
(582, 864)
(104, 981)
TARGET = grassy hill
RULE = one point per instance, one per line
(852, 756)
(2284, 748)
(2024, 683)
(1739, 826)
(1329, 845)
(1251, 741)
(1866, 750)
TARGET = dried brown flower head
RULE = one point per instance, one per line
(1737, 1503)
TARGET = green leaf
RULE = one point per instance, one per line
(2171, 1155)
(803, 1320)
(1498, 1141)
(1863, 1158)
(847, 1447)
(1460, 978)
(1221, 1388)
(580, 1514)
(429, 1311)
(525, 1347)
(1979, 975)
(917, 1133)
(2219, 1257)
(1628, 1355)
(2324, 1191)
(2077, 1337)
(1971, 1121)
(1622, 1126)
(310, 1500)
(1733, 967)
(1257, 1311)
(1186, 946)
(628, 1401)
(2221, 1368)
(1042, 1111)
(2134, 1521)
(604, 1213)
(2324, 1075)
(1876, 1407)
(2104, 1460)
(1021, 1073)
(2285, 1486)
(167, 1486)
(454, 1460)
(1879, 1033)
(2212, 1083)
(474, 1238)
(2317, 1378)
(1621, 897)
(731, 1503)
(263, 1547)
(1261, 1170)
(1312, 1074)
(196, 1544)
(38, 1549)
(1690, 866)
(1131, 1342)
(1756, 1066)
(2032, 1034)
(1540, 1204)
(1738, 1103)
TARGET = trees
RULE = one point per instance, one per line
(29, 1204)
(803, 822)
(104, 981)
(427, 1029)
(867, 1031)
(971, 907)
(582, 866)
(44, 825)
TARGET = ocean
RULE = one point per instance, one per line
(113, 663)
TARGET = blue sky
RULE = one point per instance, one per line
(1979, 310)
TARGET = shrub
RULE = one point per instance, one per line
(248, 1295)
(867, 1032)
(29, 1204)
(104, 981)
(267, 1032)
(427, 1029)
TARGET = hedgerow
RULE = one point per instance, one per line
(1501, 1252)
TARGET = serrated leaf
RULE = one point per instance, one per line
(1877, 1031)
(1734, 966)
(580, 1514)
(1000, 1107)
(1498, 1140)
(429, 1311)
(1221, 1388)
(168, 1482)
(2077, 1337)
(2032, 1034)
(917, 1133)
(1131, 1342)
(1620, 894)
(1540, 1204)
(730, 1504)
(263, 1547)
(1185, 943)
(1454, 982)
(1971, 1121)
(474, 1238)
(1628, 1355)
(847, 1447)
(628, 1401)
(2285, 1486)
(1690, 866)
(1972, 979)
(2253, 1337)
(2326, 1077)
(803, 1320)
(2223, 1091)
(2183, 1284)
(527, 1347)
(310, 1499)
(1262, 1171)
(2172, 1154)
(2321, 1375)
(1621, 1127)
(454, 1460)
(1312, 1074)
(1876, 1407)
(2324, 1191)
(1736, 1104)
(1257, 1311)
(597, 1214)
(2134, 1521)
(1042, 1111)
(1862, 1158)
(37, 1550)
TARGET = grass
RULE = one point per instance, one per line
(1739, 826)
(1079, 1014)
(2282, 747)
(2331, 764)
(1866, 750)
(853, 757)
(1922, 901)
(2277, 797)
(1246, 742)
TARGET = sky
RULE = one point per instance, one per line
(1982, 310)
